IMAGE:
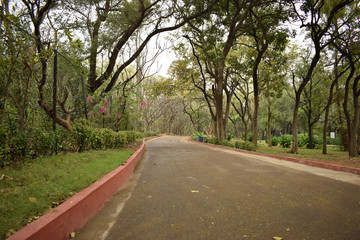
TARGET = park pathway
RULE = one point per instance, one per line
(185, 190)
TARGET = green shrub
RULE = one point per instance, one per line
(130, 136)
(229, 136)
(245, 145)
(228, 143)
(120, 140)
(274, 141)
(82, 134)
(214, 140)
(303, 140)
(96, 140)
(317, 141)
(285, 141)
(250, 137)
(108, 137)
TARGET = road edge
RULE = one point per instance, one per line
(74, 213)
(291, 159)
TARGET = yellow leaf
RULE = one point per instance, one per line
(277, 238)
(72, 235)
(32, 199)
(194, 191)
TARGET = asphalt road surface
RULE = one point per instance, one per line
(183, 190)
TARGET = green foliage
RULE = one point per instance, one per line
(245, 145)
(303, 140)
(238, 144)
(285, 141)
(15, 148)
(250, 137)
(229, 136)
(82, 134)
(274, 141)
(86, 138)
(228, 143)
(214, 140)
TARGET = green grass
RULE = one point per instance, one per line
(334, 154)
(41, 184)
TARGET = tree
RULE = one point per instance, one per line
(350, 50)
(317, 20)
(132, 16)
(313, 102)
(211, 45)
(266, 34)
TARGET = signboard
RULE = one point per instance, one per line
(332, 135)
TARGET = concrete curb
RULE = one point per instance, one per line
(72, 215)
(296, 160)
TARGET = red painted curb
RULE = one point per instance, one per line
(296, 160)
(70, 216)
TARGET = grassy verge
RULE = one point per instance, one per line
(42, 184)
(334, 156)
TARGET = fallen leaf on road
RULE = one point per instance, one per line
(288, 229)
(194, 191)
(72, 235)
(277, 238)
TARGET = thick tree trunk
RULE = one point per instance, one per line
(353, 134)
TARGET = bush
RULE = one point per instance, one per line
(245, 145)
(228, 143)
(130, 136)
(317, 141)
(120, 140)
(214, 140)
(303, 140)
(229, 136)
(82, 135)
(274, 141)
(285, 141)
(250, 137)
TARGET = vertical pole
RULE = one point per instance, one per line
(83, 93)
(54, 91)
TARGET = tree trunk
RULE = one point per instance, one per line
(255, 118)
(245, 130)
(294, 148)
(268, 123)
(324, 146)
(353, 133)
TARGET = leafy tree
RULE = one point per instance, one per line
(348, 47)
(125, 18)
(266, 34)
(316, 18)
(313, 102)
(211, 39)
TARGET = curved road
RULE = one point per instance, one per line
(185, 190)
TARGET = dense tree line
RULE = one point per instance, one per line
(239, 70)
